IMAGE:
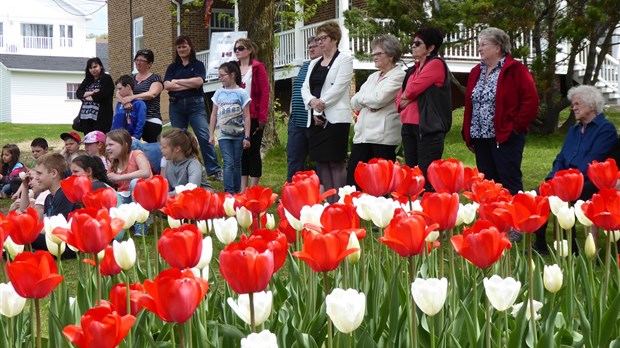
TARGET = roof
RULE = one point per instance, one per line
(49, 63)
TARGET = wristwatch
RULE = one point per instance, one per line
(246, 138)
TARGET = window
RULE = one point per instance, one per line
(66, 35)
(37, 36)
(71, 90)
(138, 35)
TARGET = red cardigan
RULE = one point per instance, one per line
(516, 100)
(259, 105)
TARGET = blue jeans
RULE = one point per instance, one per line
(191, 111)
(231, 151)
(296, 149)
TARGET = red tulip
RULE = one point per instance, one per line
(412, 183)
(375, 176)
(257, 199)
(174, 295)
(5, 224)
(100, 327)
(482, 244)
(526, 213)
(308, 174)
(108, 265)
(75, 187)
(603, 174)
(302, 191)
(487, 191)
(196, 204)
(91, 230)
(471, 176)
(339, 216)
(487, 211)
(407, 234)
(446, 175)
(546, 189)
(246, 268)
(324, 252)
(567, 184)
(103, 198)
(151, 193)
(398, 175)
(118, 297)
(275, 241)
(23, 228)
(285, 227)
(442, 208)
(33, 275)
(181, 247)
(604, 209)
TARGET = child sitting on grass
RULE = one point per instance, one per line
(10, 167)
(180, 149)
(130, 119)
(94, 143)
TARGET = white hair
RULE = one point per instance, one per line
(589, 95)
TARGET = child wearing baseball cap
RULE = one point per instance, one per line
(94, 143)
(72, 147)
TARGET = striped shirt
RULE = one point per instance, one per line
(153, 105)
(299, 114)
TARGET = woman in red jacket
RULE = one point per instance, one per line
(500, 103)
(256, 84)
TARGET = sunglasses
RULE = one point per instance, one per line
(417, 43)
(239, 48)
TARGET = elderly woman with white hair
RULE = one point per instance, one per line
(500, 103)
(592, 138)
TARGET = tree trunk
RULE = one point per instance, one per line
(257, 17)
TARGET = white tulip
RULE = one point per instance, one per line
(225, 229)
(555, 203)
(382, 212)
(416, 206)
(124, 253)
(294, 222)
(615, 235)
(207, 253)
(22, 175)
(54, 248)
(531, 193)
(11, 304)
(101, 254)
(127, 212)
(244, 217)
(517, 307)
(202, 226)
(566, 217)
(264, 339)
(141, 214)
(583, 219)
(12, 248)
(354, 243)
(562, 247)
(363, 206)
(590, 247)
(345, 191)
(50, 223)
(271, 222)
(262, 306)
(466, 213)
(346, 309)
(429, 294)
(188, 187)
(229, 206)
(431, 237)
(174, 223)
(552, 278)
(311, 214)
(501, 293)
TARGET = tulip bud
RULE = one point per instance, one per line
(552, 278)
(50, 223)
(345, 191)
(517, 307)
(127, 212)
(101, 254)
(173, 223)
(583, 219)
(615, 235)
(311, 214)
(229, 206)
(431, 237)
(271, 222)
(124, 254)
(566, 217)
(294, 222)
(264, 339)
(244, 217)
(207, 253)
(346, 309)
(141, 214)
(225, 229)
(12, 248)
(11, 304)
(590, 247)
(429, 294)
(55, 248)
(382, 212)
(202, 226)
(354, 243)
(501, 293)
(363, 206)
(562, 247)
(262, 306)
(188, 187)
(555, 203)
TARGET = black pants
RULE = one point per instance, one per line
(364, 152)
(251, 163)
(421, 151)
(501, 162)
(150, 132)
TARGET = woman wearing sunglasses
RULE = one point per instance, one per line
(256, 83)
(424, 101)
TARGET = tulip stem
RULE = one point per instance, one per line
(607, 271)
(37, 309)
(571, 282)
(128, 299)
(148, 259)
(11, 329)
(453, 282)
(414, 319)
(330, 334)
(252, 319)
(181, 327)
(530, 290)
(98, 279)
(488, 321)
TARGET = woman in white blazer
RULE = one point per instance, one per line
(377, 130)
(326, 95)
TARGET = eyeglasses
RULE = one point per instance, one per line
(377, 54)
(417, 43)
(321, 38)
(239, 48)
(221, 76)
(140, 61)
(312, 47)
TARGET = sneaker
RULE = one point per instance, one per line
(514, 236)
(139, 230)
(218, 176)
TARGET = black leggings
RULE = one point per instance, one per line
(150, 132)
(251, 162)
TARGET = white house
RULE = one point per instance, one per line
(43, 54)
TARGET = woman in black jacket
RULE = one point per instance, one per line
(96, 93)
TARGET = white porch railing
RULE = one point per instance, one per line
(610, 69)
(38, 42)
